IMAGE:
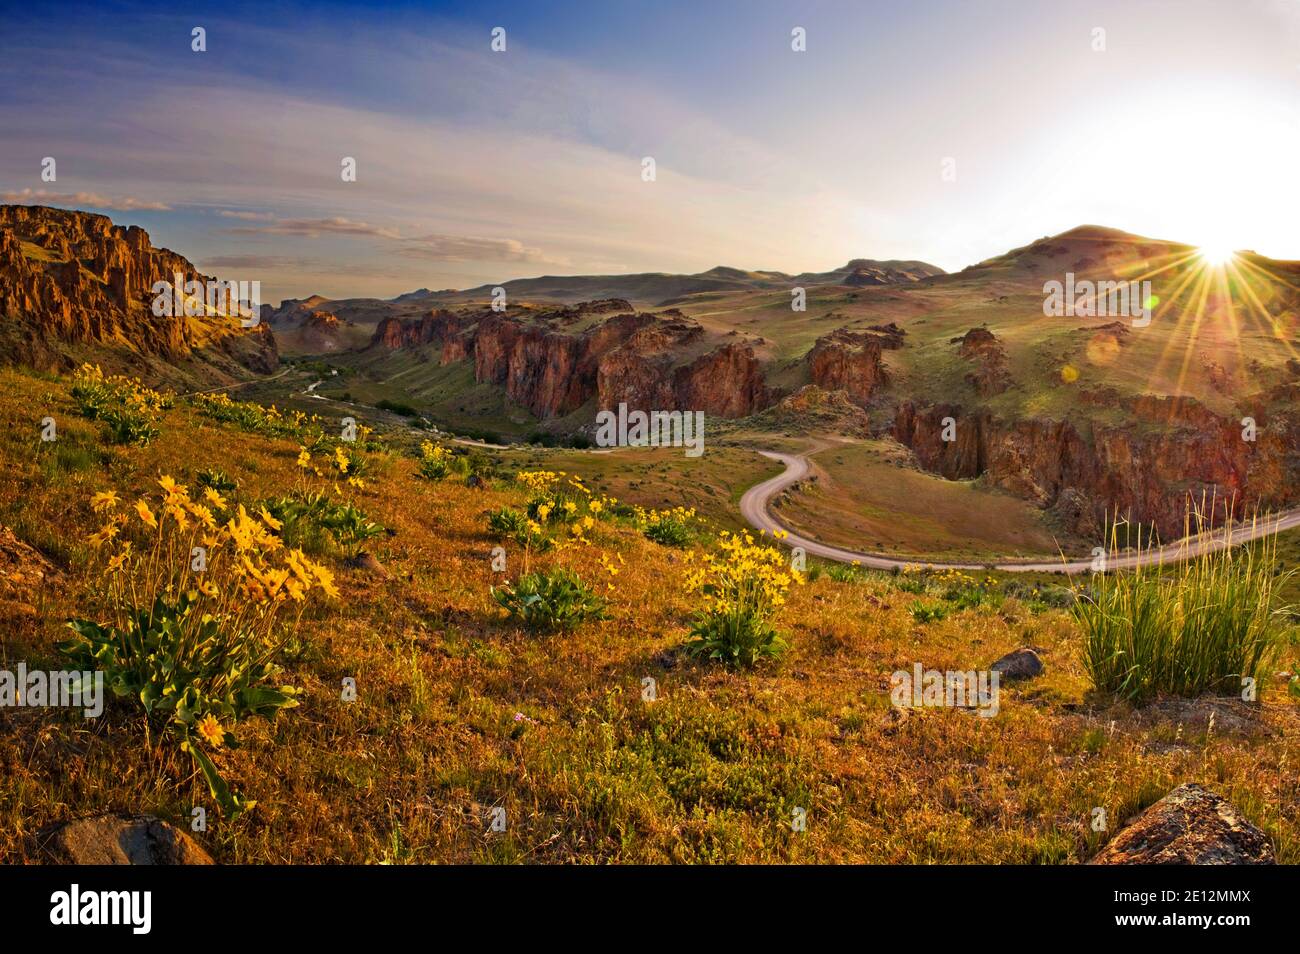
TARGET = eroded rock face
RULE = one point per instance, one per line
(1176, 452)
(1189, 826)
(848, 361)
(120, 840)
(93, 284)
(981, 347)
(555, 361)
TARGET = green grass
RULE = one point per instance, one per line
(1204, 625)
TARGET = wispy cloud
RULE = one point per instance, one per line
(315, 228)
(82, 200)
(464, 248)
(246, 216)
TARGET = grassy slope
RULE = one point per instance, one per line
(661, 477)
(710, 772)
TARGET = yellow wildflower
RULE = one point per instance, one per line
(210, 731)
(146, 515)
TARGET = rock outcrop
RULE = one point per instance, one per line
(849, 361)
(74, 278)
(980, 346)
(555, 361)
(1175, 452)
(1189, 826)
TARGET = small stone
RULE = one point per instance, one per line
(368, 563)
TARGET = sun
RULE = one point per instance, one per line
(1216, 254)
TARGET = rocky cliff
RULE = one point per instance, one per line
(1148, 470)
(555, 361)
(850, 361)
(70, 279)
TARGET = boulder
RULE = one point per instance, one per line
(1019, 664)
(120, 839)
(1189, 826)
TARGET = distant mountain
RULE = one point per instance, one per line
(662, 288)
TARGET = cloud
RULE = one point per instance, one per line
(82, 200)
(254, 262)
(315, 228)
(246, 216)
(464, 248)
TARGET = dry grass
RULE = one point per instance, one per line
(710, 772)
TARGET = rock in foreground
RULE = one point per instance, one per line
(1189, 826)
(120, 840)
(1019, 664)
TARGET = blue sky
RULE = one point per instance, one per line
(478, 166)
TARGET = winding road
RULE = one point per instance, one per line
(754, 508)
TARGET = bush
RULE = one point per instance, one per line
(670, 528)
(743, 587)
(846, 573)
(129, 409)
(550, 601)
(928, 611)
(397, 408)
(511, 524)
(435, 461)
(1202, 624)
(255, 418)
(313, 520)
(218, 480)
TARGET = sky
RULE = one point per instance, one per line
(918, 129)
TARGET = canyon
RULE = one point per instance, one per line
(1081, 419)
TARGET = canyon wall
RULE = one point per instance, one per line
(1148, 470)
(83, 280)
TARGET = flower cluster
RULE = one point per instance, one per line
(435, 461)
(563, 503)
(258, 418)
(744, 576)
(340, 464)
(128, 408)
(742, 586)
(230, 557)
(671, 527)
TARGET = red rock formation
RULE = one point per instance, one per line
(990, 376)
(94, 285)
(1088, 470)
(848, 361)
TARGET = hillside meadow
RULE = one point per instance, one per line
(459, 711)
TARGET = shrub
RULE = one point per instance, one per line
(511, 524)
(554, 501)
(312, 519)
(1202, 624)
(670, 528)
(257, 418)
(550, 601)
(743, 586)
(928, 611)
(845, 572)
(129, 409)
(217, 479)
(397, 408)
(435, 461)
(195, 644)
